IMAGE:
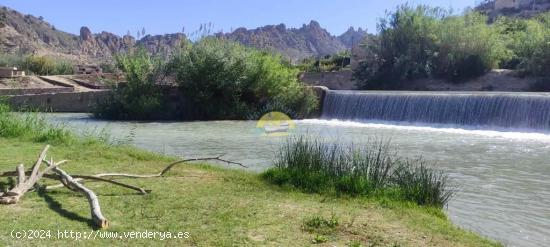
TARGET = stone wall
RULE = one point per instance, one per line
(339, 80)
(59, 102)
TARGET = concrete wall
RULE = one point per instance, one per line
(21, 91)
(59, 102)
(339, 80)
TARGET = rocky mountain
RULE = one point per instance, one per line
(27, 34)
(353, 37)
(310, 40)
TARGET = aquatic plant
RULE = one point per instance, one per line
(314, 165)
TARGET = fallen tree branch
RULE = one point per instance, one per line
(25, 184)
(218, 158)
(95, 209)
(78, 178)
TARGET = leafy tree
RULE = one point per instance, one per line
(138, 98)
(226, 80)
(420, 42)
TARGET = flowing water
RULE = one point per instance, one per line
(499, 161)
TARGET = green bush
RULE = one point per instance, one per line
(138, 98)
(44, 65)
(226, 80)
(335, 62)
(466, 47)
(319, 167)
(528, 42)
(421, 42)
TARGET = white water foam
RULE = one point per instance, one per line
(532, 136)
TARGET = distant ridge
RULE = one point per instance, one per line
(27, 34)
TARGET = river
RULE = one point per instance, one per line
(502, 177)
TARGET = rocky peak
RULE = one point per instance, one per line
(86, 34)
(352, 37)
(314, 24)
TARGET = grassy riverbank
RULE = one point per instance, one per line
(216, 206)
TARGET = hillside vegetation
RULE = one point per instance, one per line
(423, 42)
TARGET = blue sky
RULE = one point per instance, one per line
(169, 16)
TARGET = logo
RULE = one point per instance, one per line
(275, 124)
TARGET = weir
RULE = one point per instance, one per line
(484, 110)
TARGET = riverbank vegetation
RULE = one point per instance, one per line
(374, 171)
(219, 79)
(139, 98)
(225, 80)
(422, 42)
(216, 206)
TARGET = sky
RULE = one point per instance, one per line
(171, 16)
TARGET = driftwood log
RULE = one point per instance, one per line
(70, 182)
(27, 180)
(24, 184)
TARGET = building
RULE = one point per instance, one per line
(88, 69)
(10, 72)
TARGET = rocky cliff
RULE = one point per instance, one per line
(310, 40)
(27, 34)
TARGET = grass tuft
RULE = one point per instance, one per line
(315, 166)
(31, 125)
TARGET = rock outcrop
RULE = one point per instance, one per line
(310, 40)
(26, 34)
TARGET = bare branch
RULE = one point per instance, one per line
(95, 209)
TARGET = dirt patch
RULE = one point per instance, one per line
(97, 80)
(24, 82)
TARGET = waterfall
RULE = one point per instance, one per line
(468, 109)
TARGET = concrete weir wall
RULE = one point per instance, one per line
(59, 102)
(338, 80)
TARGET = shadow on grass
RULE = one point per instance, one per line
(58, 208)
(7, 185)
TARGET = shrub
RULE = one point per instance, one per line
(44, 65)
(227, 80)
(528, 42)
(138, 98)
(421, 42)
(466, 47)
(315, 166)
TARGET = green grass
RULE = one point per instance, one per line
(32, 126)
(372, 170)
(215, 205)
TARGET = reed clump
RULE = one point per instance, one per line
(315, 166)
(31, 125)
